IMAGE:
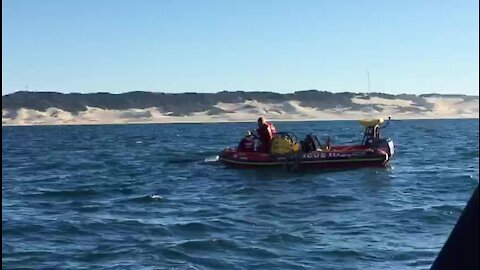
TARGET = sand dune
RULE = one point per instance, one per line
(443, 107)
(383, 101)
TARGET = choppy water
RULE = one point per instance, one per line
(141, 196)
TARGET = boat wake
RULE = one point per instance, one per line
(194, 158)
(211, 159)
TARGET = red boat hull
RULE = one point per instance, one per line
(339, 157)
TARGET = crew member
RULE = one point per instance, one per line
(247, 144)
(265, 133)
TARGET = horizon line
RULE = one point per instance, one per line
(231, 91)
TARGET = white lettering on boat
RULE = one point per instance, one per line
(339, 155)
(315, 155)
(321, 155)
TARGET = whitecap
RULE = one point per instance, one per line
(211, 159)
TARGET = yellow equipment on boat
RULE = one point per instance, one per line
(371, 122)
(283, 145)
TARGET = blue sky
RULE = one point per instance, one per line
(208, 46)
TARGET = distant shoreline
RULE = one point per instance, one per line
(47, 108)
(228, 121)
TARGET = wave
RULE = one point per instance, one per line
(322, 200)
(470, 154)
(342, 253)
(180, 160)
(244, 190)
(144, 198)
(187, 259)
(284, 238)
(67, 193)
(208, 245)
(194, 227)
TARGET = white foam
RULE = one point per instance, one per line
(156, 197)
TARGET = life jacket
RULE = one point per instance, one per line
(271, 129)
(265, 133)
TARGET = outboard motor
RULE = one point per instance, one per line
(371, 137)
(385, 145)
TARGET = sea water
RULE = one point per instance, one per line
(143, 197)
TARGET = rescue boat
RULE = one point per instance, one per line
(287, 151)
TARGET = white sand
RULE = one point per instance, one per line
(444, 107)
(449, 106)
(383, 101)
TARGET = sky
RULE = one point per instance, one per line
(408, 46)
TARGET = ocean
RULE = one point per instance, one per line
(143, 197)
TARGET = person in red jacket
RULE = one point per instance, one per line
(265, 133)
(247, 144)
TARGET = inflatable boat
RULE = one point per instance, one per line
(287, 151)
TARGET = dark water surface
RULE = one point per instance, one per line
(142, 197)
